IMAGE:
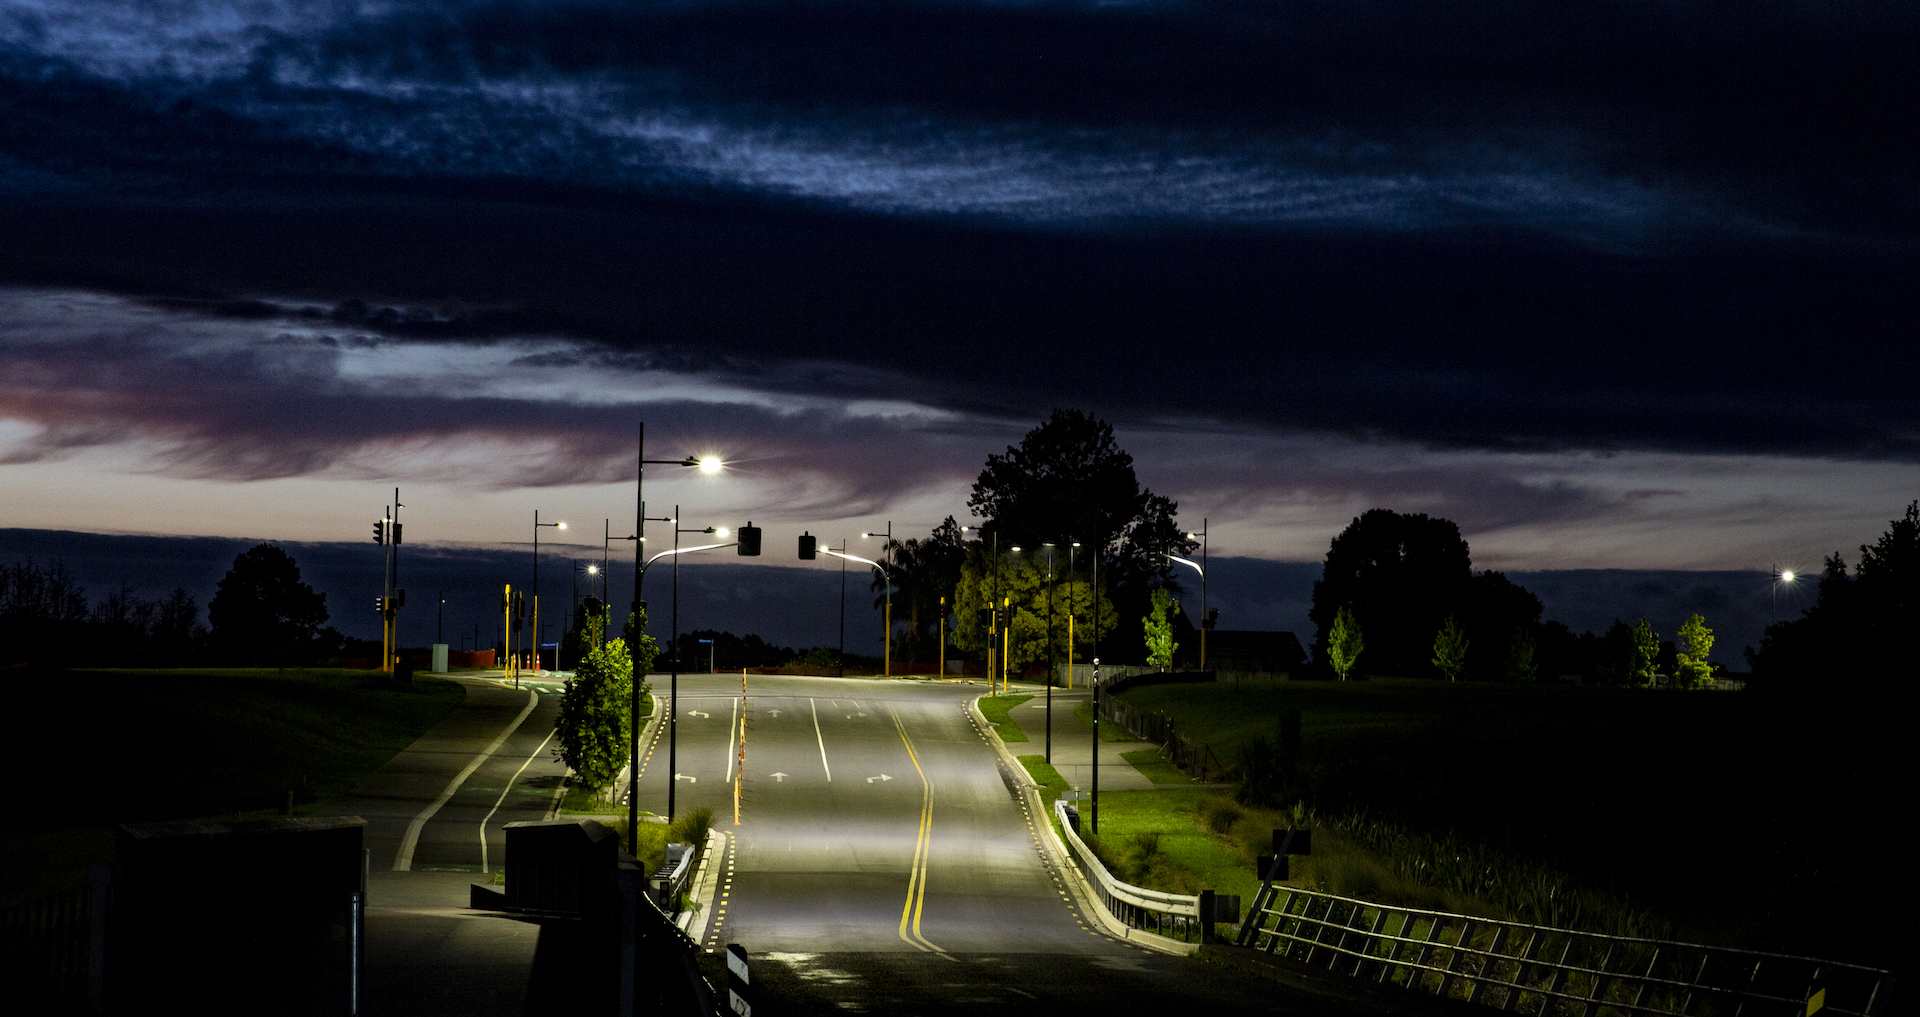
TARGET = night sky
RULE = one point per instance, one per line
(1613, 285)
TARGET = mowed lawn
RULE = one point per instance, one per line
(1744, 818)
(102, 747)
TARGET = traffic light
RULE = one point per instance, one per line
(380, 605)
(396, 533)
(749, 545)
(380, 531)
(399, 596)
(1213, 617)
(519, 605)
(808, 546)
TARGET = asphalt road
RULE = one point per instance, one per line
(882, 864)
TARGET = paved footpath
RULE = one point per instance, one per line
(435, 816)
(1072, 743)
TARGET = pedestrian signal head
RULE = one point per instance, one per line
(749, 541)
(809, 548)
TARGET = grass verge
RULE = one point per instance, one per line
(1052, 785)
(995, 708)
(153, 744)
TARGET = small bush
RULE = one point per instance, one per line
(692, 828)
(1220, 815)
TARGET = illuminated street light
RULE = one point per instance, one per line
(709, 465)
(886, 550)
(1785, 576)
(885, 579)
(536, 584)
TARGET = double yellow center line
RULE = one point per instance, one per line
(917, 882)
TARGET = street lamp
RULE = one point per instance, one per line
(1050, 670)
(673, 695)
(886, 549)
(1198, 567)
(536, 583)
(709, 465)
(1784, 576)
(885, 579)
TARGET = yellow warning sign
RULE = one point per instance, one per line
(1816, 1001)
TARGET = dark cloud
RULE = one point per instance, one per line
(1595, 225)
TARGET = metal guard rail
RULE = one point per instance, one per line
(1549, 972)
(1136, 906)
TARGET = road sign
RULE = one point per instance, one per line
(739, 981)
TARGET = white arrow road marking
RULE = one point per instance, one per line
(881, 777)
(774, 713)
(690, 780)
(698, 713)
(778, 778)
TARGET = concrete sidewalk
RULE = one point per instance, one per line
(1072, 742)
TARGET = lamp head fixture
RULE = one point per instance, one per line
(708, 464)
(1787, 576)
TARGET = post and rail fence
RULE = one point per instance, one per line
(1548, 972)
(1195, 759)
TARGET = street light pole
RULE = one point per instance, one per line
(886, 579)
(1096, 688)
(843, 608)
(1778, 578)
(710, 464)
(1050, 669)
(536, 583)
(886, 667)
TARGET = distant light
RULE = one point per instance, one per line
(1787, 576)
(720, 531)
(1076, 543)
(561, 525)
(593, 570)
(710, 464)
(1016, 547)
(864, 536)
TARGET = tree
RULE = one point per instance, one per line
(594, 720)
(1520, 666)
(1695, 641)
(1450, 649)
(1069, 480)
(924, 571)
(1023, 582)
(1159, 630)
(262, 613)
(1643, 661)
(1344, 642)
(589, 630)
(1403, 573)
(1858, 628)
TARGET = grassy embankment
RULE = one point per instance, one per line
(1728, 818)
(103, 747)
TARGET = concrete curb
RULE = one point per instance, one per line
(704, 878)
(1083, 891)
